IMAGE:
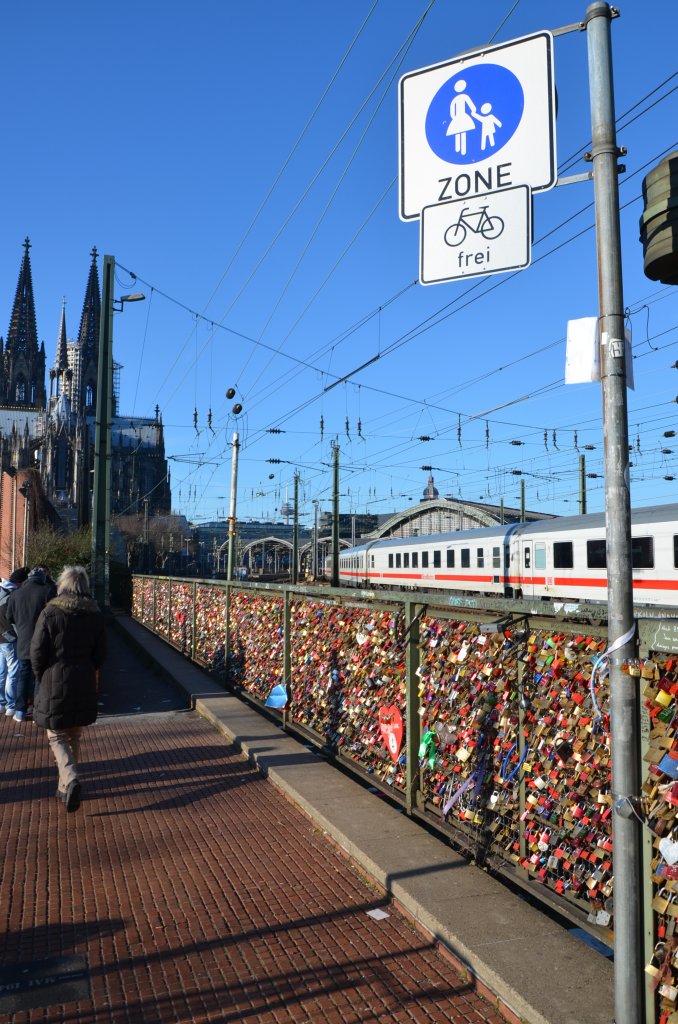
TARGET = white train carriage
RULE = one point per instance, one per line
(551, 559)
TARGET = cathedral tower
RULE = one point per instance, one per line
(23, 379)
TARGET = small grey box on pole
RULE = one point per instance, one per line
(628, 946)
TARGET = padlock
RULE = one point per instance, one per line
(669, 992)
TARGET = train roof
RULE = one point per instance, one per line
(559, 524)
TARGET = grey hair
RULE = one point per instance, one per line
(73, 580)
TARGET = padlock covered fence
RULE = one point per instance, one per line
(489, 722)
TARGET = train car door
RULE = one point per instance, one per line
(527, 568)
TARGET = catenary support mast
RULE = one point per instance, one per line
(623, 688)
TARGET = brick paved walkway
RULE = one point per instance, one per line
(196, 892)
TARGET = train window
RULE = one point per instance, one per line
(424, 559)
(480, 555)
(496, 558)
(675, 552)
(562, 555)
(436, 560)
(397, 560)
(415, 559)
(466, 558)
(450, 558)
(372, 557)
(390, 561)
(642, 552)
(527, 560)
(406, 560)
(540, 556)
(596, 555)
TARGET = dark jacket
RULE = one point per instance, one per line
(7, 633)
(24, 607)
(68, 646)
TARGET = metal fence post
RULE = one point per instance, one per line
(413, 724)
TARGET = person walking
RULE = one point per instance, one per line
(23, 608)
(9, 663)
(67, 650)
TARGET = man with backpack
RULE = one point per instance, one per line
(9, 663)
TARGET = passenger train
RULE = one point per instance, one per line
(561, 558)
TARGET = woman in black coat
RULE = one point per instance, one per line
(67, 649)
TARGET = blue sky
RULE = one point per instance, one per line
(242, 159)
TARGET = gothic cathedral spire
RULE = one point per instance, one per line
(88, 342)
(24, 358)
(88, 335)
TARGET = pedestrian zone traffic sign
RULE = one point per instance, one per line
(486, 234)
(481, 122)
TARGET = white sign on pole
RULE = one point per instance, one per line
(487, 234)
(478, 123)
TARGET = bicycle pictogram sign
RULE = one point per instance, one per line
(479, 222)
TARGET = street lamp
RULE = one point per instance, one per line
(101, 498)
(25, 491)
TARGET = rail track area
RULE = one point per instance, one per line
(187, 888)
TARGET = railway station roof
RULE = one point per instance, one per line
(442, 515)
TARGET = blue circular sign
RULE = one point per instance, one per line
(474, 114)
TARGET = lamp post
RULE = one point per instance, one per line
(232, 520)
(25, 491)
(101, 498)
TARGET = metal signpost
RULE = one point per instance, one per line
(477, 137)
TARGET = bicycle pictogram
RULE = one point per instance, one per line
(479, 222)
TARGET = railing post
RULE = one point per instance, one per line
(413, 721)
(287, 653)
(520, 747)
(155, 605)
(227, 635)
(195, 601)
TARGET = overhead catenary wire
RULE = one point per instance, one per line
(300, 362)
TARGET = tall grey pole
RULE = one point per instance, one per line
(315, 540)
(232, 510)
(335, 515)
(628, 947)
(295, 532)
(101, 500)
(522, 499)
(582, 485)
